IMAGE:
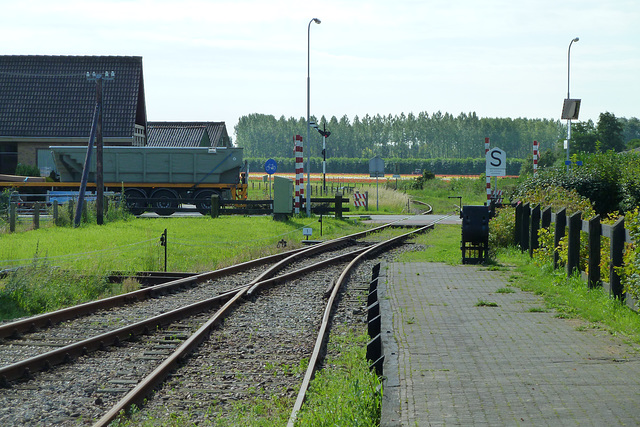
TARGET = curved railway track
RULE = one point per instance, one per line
(160, 337)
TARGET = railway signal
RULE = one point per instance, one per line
(325, 134)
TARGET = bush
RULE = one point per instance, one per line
(39, 287)
(418, 183)
(630, 271)
(610, 180)
(502, 229)
(27, 170)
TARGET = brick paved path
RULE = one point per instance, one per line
(462, 364)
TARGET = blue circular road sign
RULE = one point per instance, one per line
(270, 166)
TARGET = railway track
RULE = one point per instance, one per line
(271, 311)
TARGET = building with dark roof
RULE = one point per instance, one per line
(48, 100)
(187, 134)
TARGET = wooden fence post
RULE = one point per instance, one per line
(12, 217)
(524, 234)
(71, 207)
(617, 252)
(85, 211)
(595, 230)
(546, 218)
(535, 226)
(518, 225)
(561, 223)
(215, 205)
(339, 206)
(573, 246)
(56, 212)
(36, 215)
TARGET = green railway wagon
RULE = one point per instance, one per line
(160, 178)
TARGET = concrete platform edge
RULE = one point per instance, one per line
(391, 410)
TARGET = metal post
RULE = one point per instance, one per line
(99, 169)
(163, 242)
(324, 162)
(376, 191)
(568, 97)
(308, 200)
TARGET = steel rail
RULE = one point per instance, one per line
(322, 333)
(46, 320)
(45, 361)
(42, 321)
(151, 381)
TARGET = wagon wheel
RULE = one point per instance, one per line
(168, 202)
(203, 200)
(136, 200)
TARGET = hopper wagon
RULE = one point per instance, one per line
(155, 178)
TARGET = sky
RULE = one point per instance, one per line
(220, 60)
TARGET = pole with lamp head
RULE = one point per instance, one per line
(308, 199)
(568, 162)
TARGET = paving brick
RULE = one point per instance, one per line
(461, 364)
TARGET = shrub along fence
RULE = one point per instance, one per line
(529, 220)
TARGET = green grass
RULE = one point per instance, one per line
(483, 303)
(345, 393)
(58, 267)
(194, 244)
(570, 297)
(440, 245)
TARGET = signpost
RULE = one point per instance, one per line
(307, 231)
(270, 167)
(376, 168)
(496, 162)
(496, 159)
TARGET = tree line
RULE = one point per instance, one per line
(423, 136)
(431, 136)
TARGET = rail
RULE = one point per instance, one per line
(322, 334)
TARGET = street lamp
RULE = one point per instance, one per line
(568, 162)
(308, 202)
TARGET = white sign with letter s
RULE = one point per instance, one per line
(496, 162)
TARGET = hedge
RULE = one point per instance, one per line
(404, 166)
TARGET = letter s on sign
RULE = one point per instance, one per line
(495, 155)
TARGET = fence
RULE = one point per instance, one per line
(18, 208)
(530, 220)
(319, 206)
(330, 188)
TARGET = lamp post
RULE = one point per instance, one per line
(308, 200)
(568, 97)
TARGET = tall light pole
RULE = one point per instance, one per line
(568, 162)
(308, 201)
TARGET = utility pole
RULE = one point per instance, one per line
(98, 78)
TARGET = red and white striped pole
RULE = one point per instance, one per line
(536, 150)
(486, 150)
(299, 172)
